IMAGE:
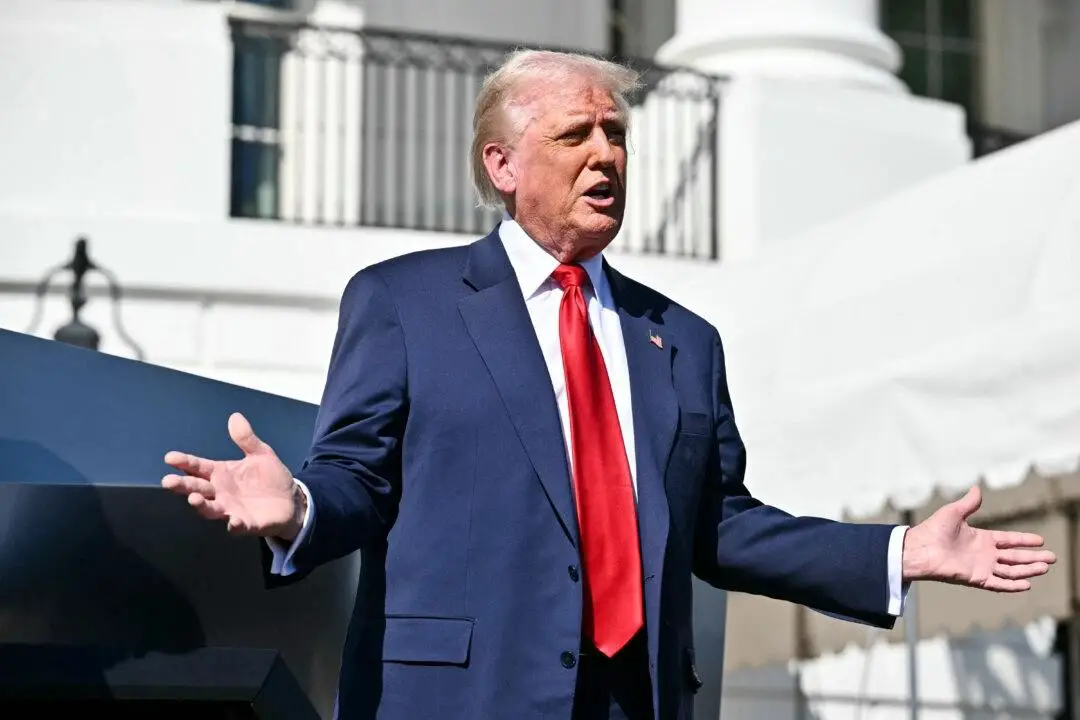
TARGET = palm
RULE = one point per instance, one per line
(254, 494)
(946, 548)
(252, 491)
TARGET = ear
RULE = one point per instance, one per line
(499, 168)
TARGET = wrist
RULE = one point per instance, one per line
(295, 523)
(913, 559)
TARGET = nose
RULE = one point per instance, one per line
(603, 150)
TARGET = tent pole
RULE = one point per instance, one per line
(802, 653)
(1072, 637)
(911, 634)
(1072, 687)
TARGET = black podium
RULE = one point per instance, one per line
(113, 591)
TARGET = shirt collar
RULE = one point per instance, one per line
(533, 265)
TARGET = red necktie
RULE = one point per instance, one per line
(603, 493)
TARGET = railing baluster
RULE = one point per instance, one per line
(319, 139)
(300, 136)
(714, 178)
(342, 138)
(429, 158)
(462, 104)
(367, 141)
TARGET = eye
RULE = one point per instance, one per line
(617, 135)
(577, 134)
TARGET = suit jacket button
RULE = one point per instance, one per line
(574, 574)
(568, 659)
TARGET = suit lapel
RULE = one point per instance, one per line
(656, 416)
(498, 322)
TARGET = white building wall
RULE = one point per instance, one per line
(796, 155)
(114, 107)
(561, 23)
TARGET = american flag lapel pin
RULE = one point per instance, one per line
(656, 339)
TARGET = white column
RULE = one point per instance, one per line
(814, 123)
(831, 40)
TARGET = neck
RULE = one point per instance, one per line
(564, 250)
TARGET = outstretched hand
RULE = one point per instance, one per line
(255, 495)
(945, 548)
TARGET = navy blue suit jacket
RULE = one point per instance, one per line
(439, 454)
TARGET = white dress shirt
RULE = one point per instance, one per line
(543, 298)
(533, 267)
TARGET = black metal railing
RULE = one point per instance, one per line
(986, 139)
(345, 127)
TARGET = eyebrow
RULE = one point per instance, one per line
(576, 121)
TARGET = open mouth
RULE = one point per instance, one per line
(601, 194)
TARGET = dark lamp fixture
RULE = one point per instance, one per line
(75, 331)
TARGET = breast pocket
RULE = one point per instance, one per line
(689, 462)
(693, 442)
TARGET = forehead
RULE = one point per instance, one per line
(560, 100)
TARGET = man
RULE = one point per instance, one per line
(534, 453)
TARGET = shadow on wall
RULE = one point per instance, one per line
(1014, 668)
(1012, 672)
(765, 693)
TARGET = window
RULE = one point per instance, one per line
(256, 121)
(944, 58)
(984, 55)
(938, 43)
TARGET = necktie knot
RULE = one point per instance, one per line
(569, 276)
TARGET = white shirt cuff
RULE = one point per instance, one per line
(281, 564)
(898, 589)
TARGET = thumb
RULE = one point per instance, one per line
(241, 433)
(970, 503)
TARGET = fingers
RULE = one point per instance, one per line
(188, 484)
(1021, 572)
(1005, 585)
(236, 526)
(209, 509)
(243, 435)
(190, 464)
(1008, 539)
(970, 503)
(1020, 556)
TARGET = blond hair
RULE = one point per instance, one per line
(493, 119)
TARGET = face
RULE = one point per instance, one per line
(564, 178)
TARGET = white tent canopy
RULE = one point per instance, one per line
(925, 342)
(899, 355)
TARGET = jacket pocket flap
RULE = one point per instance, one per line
(693, 423)
(426, 639)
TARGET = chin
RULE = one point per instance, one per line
(605, 231)
(600, 222)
